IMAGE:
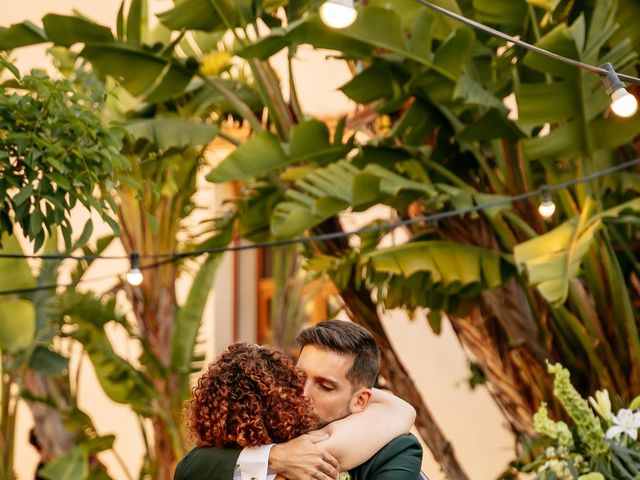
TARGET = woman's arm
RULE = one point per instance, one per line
(357, 437)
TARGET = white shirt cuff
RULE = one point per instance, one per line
(253, 462)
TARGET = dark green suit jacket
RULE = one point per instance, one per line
(400, 459)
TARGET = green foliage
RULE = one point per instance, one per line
(594, 454)
(553, 259)
(54, 153)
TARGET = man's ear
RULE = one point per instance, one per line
(360, 399)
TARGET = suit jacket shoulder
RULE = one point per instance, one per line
(207, 464)
(400, 459)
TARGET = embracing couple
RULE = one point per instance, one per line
(256, 416)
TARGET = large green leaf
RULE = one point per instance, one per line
(627, 14)
(263, 153)
(21, 35)
(375, 28)
(574, 104)
(15, 273)
(511, 13)
(17, 324)
(189, 317)
(67, 30)
(309, 30)
(139, 71)
(73, 465)
(48, 362)
(172, 132)
(325, 192)
(207, 15)
(453, 267)
(118, 377)
(434, 274)
(553, 259)
(260, 154)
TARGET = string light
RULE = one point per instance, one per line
(623, 103)
(173, 257)
(547, 208)
(134, 275)
(338, 13)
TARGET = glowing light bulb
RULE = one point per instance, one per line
(623, 103)
(338, 13)
(546, 208)
(134, 275)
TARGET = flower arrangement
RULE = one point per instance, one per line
(602, 446)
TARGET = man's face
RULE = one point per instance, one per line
(327, 386)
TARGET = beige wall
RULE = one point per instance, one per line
(438, 365)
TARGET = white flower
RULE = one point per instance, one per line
(344, 476)
(601, 404)
(625, 422)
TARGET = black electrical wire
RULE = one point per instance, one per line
(172, 257)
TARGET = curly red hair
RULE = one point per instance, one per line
(249, 396)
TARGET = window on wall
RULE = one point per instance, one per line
(288, 299)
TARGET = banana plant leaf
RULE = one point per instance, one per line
(17, 316)
(21, 35)
(120, 380)
(17, 325)
(627, 14)
(309, 30)
(16, 273)
(139, 71)
(410, 11)
(375, 28)
(166, 133)
(453, 267)
(74, 465)
(553, 259)
(434, 274)
(325, 192)
(575, 100)
(67, 30)
(206, 15)
(263, 152)
(511, 13)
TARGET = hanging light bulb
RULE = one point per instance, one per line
(623, 103)
(338, 13)
(134, 275)
(546, 208)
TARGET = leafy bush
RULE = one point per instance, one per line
(54, 153)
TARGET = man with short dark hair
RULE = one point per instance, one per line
(341, 361)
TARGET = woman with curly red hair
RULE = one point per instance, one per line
(250, 396)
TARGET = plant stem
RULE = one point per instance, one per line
(241, 107)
